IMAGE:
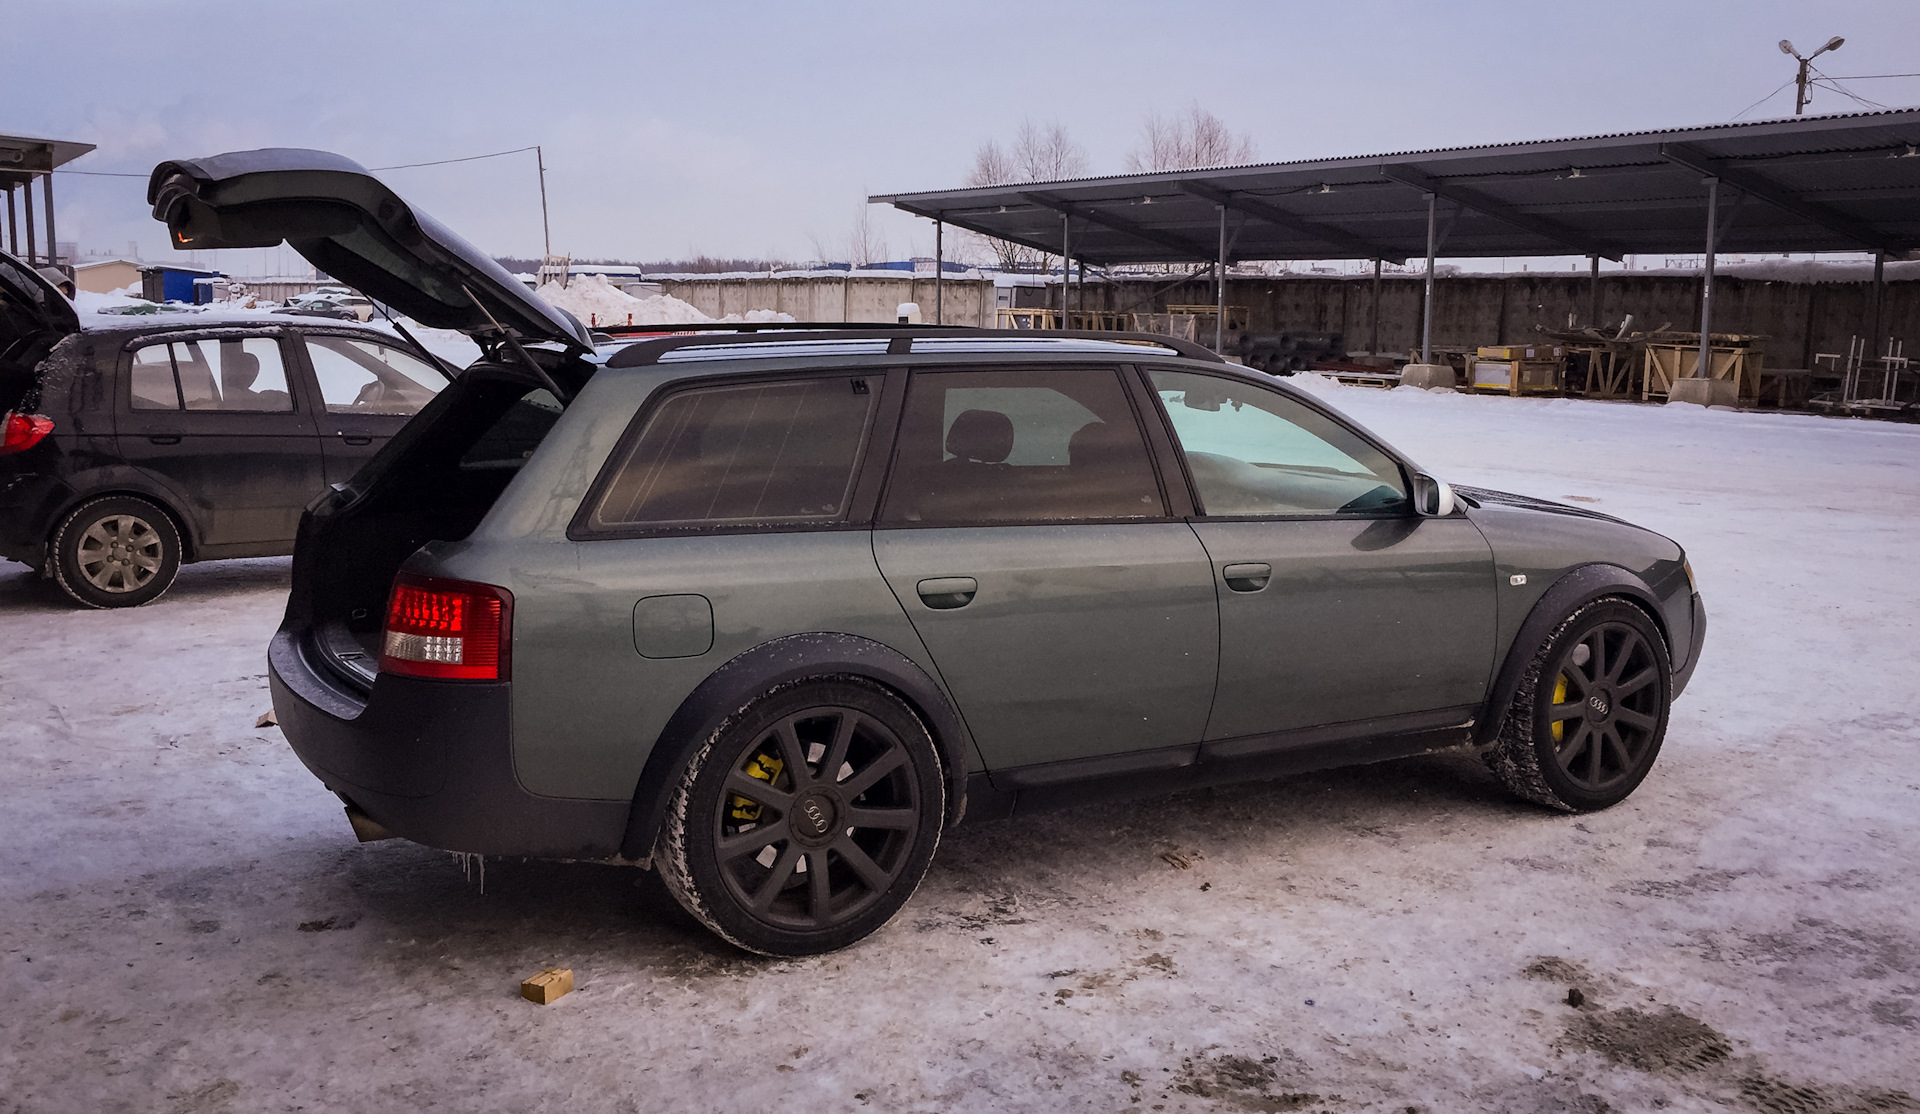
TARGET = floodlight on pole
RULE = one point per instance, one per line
(1800, 87)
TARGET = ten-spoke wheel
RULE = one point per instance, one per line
(1590, 713)
(807, 821)
(117, 551)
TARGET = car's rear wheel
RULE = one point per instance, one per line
(807, 820)
(1591, 711)
(116, 551)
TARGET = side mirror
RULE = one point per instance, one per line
(1432, 497)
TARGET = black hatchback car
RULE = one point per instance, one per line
(131, 445)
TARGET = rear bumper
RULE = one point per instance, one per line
(1697, 639)
(28, 502)
(431, 761)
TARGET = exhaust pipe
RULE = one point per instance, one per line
(365, 828)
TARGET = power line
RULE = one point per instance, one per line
(1873, 76)
(1765, 99)
(1830, 83)
(401, 166)
(443, 162)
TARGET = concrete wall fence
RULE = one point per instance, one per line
(1799, 319)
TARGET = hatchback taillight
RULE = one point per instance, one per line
(447, 629)
(20, 432)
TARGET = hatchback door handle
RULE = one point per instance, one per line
(944, 593)
(353, 437)
(1250, 576)
(165, 438)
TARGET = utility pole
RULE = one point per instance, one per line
(1800, 82)
(546, 231)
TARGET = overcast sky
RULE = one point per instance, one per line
(758, 129)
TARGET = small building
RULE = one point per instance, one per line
(104, 276)
(170, 282)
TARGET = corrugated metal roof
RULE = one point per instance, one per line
(1815, 183)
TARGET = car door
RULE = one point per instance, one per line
(1338, 604)
(1026, 535)
(368, 389)
(213, 421)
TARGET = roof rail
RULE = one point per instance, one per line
(900, 338)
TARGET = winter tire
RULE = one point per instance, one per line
(807, 820)
(115, 551)
(1591, 711)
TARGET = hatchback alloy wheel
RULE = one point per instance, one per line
(120, 553)
(116, 551)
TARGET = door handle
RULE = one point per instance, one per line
(355, 437)
(165, 438)
(944, 593)
(1249, 576)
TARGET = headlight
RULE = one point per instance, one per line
(1692, 584)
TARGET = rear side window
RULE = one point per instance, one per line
(741, 454)
(226, 374)
(1010, 446)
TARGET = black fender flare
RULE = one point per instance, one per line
(782, 661)
(1575, 588)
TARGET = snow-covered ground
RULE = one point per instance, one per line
(187, 924)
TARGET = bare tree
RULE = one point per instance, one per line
(1191, 139)
(1039, 153)
(864, 246)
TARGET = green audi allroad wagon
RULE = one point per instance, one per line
(768, 611)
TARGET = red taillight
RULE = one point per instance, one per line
(20, 432)
(447, 629)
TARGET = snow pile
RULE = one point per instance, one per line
(597, 302)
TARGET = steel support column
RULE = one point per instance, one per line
(46, 194)
(26, 203)
(1879, 289)
(13, 226)
(1593, 292)
(939, 274)
(1220, 287)
(1426, 311)
(1066, 262)
(1704, 369)
(1373, 346)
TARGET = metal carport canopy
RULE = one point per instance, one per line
(1813, 183)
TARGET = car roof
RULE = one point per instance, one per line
(731, 343)
(182, 322)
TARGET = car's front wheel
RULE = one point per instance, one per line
(116, 551)
(1590, 713)
(807, 820)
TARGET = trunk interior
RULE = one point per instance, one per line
(435, 481)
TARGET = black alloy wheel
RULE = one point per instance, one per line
(808, 820)
(1591, 712)
(115, 551)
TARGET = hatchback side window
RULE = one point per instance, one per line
(1008, 447)
(228, 374)
(365, 377)
(1254, 452)
(741, 454)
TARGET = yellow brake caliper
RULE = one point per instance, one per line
(764, 767)
(1559, 697)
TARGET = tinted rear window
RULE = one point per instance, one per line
(741, 454)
